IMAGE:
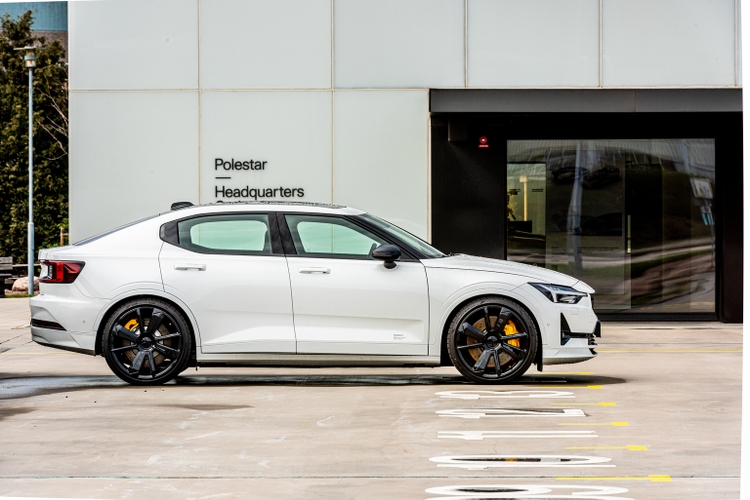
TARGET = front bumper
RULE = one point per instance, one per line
(575, 347)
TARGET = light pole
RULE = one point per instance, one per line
(29, 62)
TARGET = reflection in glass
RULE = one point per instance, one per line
(632, 218)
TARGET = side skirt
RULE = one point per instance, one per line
(314, 360)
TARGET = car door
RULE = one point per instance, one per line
(225, 269)
(346, 302)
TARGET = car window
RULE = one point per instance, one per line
(241, 233)
(331, 236)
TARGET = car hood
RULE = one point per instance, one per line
(534, 273)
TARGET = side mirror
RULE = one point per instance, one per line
(387, 253)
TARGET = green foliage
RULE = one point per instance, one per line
(50, 139)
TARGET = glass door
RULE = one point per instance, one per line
(632, 218)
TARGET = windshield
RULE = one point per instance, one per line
(423, 247)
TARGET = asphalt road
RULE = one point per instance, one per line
(655, 416)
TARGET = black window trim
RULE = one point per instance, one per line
(281, 237)
(169, 234)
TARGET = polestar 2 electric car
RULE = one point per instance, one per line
(283, 284)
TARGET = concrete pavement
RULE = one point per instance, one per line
(656, 415)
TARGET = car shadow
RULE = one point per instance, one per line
(23, 387)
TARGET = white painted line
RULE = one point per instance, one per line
(483, 462)
(503, 394)
(480, 435)
(505, 412)
(485, 491)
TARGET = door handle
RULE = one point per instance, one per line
(190, 267)
(314, 270)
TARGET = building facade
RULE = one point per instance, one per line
(601, 138)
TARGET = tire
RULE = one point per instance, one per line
(509, 343)
(152, 356)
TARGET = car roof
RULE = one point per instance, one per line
(261, 206)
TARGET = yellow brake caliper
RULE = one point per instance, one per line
(510, 329)
(131, 325)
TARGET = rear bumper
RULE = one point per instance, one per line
(58, 339)
(64, 322)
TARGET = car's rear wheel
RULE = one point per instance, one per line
(147, 342)
(492, 340)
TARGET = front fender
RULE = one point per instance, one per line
(450, 288)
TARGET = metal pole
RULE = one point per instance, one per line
(31, 182)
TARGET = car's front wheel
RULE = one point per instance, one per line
(492, 340)
(147, 342)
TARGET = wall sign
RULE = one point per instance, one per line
(232, 184)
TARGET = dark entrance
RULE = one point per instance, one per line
(645, 207)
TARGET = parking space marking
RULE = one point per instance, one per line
(506, 412)
(612, 424)
(631, 447)
(511, 491)
(503, 394)
(603, 403)
(483, 462)
(652, 478)
(480, 435)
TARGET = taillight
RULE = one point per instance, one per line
(59, 271)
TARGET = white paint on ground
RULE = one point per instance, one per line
(486, 491)
(505, 412)
(483, 462)
(503, 394)
(480, 435)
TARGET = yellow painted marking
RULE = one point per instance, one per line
(604, 403)
(571, 386)
(629, 447)
(660, 479)
(653, 479)
(673, 350)
(612, 424)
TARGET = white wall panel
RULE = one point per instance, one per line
(266, 44)
(381, 158)
(668, 42)
(533, 43)
(133, 44)
(131, 155)
(399, 43)
(290, 131)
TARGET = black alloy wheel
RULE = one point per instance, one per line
(147, 342)
(492, 340)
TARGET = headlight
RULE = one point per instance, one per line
(559, 293)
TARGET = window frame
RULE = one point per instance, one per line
(169, 233)
(407, 253)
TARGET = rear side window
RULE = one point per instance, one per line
(234, 234)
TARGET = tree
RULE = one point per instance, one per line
(50, 139)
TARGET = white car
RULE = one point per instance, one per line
(301, 285)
